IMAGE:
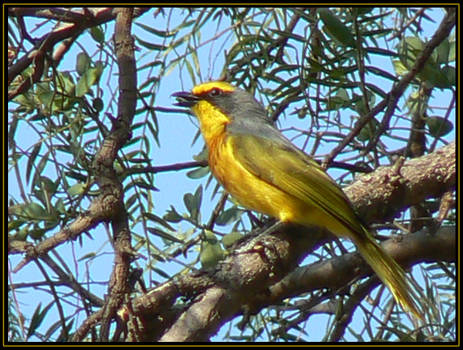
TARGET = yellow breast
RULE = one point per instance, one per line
(248, 189)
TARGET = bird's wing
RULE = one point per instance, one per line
(279, 163)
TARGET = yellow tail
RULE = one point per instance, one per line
(390, 273)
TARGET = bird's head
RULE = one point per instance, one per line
(209, 99)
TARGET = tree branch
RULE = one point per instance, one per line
(44, 45)
(388, 190)
(253, 269)
(100, 210)
(336, 273)
(118, 287)
(390, 101)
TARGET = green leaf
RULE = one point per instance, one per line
(164, 235)
(399, 67)
(77, 189)
(336, 28)
(31, 160)
(46, 97)
(368, 131)
(451, 74)
(438, 126)
(152, 81)
(35, 321)
(172, 215)
(199, 195)
(360, 105)
(160, 33)
(434, 75)
(198, 173)
(87, 256)
(438, 79)
(193, 202)
(228, 216)
(190, 69)
(376, 90)
(140, 182)
(14, 224)
(34, 211)
(409, 49)
(230, 239)
(97, 34)
(37, 233)
(133, 199)
(381, 73)
(340, 100)
(82, 63)
(203, 155)
(411, 46)
(189, 201)
(441, 52)
(157, 219)
(37, 318)
(65, 83)
(22, 234)
(452, 52)
(381, 51)
(160, 272)
(59, 206)
(151, 46)
(90, 77)
(211, 251)
(48, 185)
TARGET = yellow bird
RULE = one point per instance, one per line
(265, 172)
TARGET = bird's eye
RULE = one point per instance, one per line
(215, 92)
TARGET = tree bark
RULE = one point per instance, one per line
(253, 275)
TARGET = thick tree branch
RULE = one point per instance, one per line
(384, 193)
(251, 274)
(336, 273)
(119, 287)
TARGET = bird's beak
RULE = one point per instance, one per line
(185, 99)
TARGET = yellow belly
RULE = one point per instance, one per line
(256, 194)
(250, 190)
